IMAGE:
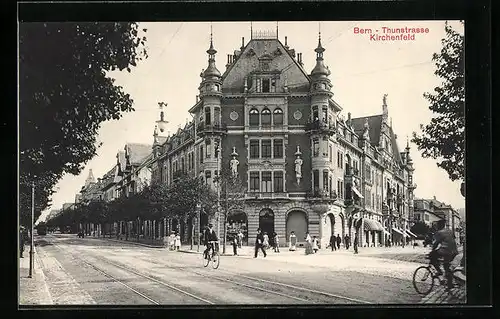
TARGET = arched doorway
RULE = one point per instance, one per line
(237, 221)
(329, 225)
(266, 221)
(296, 221)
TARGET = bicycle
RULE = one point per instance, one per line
(214, 257)
(424, 278)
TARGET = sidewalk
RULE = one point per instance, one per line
(440, 296)
(32, 291)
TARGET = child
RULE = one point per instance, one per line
(315, 244)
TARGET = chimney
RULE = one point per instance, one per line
(242, 43)
(286, 42)
(197, 98)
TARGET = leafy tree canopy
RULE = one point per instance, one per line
(65, 94)
(444, 137)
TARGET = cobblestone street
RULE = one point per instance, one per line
(96, 271)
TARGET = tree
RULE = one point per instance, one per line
(232, 197)
(443, 138)
(65, 94)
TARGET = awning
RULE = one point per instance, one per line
(411, 234)
(355, 190)
(398, 231)
(371, 224)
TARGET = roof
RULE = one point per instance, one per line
(136, 152)
(375, 123)
(121, 160)
(395, 148)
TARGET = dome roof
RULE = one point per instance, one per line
(211, 70)
(320, 69)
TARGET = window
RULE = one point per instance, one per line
(278, 117)
(209, 148)
(258, 82)
(266, 148)
(254, 117)
(266, 117)
(278, 181)
(207, 116)
(316, 180)
(254, 149)
(208, 174)
(325, 180)
(330, 151)
(278, 148)
(273, 85)
(325, 115)
(330, 182)
(265, 85)
(315, 147)
(201, 154)
(315, 116)
(266, 182)
(254, 181)
(182, 164)
(217, 116)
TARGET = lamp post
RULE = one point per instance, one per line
(198, 209)
(32, 260)
(218, 188)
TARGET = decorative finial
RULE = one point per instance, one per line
(385, 99)
(251, 30)
(277, 29)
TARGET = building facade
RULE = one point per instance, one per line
(306, 167)
(432, 210)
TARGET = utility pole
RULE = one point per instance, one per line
(32, 260)
(218, 188)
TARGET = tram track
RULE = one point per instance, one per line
(281, 289)
(136, 273)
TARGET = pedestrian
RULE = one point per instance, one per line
(171, 241)
(315, 244)
(21, 241)
(308, 240)
(259, 243)
(293, 241)
(177, 242)
(333, 242)
(276, 243)
(240, 238)
(266, 241)
(356, 242)
(235, 245)
(339, 240)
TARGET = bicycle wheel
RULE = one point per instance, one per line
(206, 260)
(423, 281)
(215, 260)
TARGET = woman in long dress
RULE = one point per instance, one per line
(308, 240)
(293, 241)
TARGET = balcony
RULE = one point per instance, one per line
(320, 127)
(322, 194)
(266, 195)
(217, 128)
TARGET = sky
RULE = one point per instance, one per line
(362, 71)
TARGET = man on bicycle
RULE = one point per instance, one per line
(209, 237)
(444, 246)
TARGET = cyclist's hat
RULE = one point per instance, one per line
(210, 225)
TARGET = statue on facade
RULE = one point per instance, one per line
(234, 162)
(298, 164)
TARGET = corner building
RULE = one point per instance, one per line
(307, 168)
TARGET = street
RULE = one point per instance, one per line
(97, 271)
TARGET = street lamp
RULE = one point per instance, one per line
(217, 185)
(32, 260)
(198, 210)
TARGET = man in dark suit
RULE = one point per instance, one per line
(21, 241)
(259, 243)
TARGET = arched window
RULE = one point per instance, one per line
(254, 117)
(278, 117)
(266, 117)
